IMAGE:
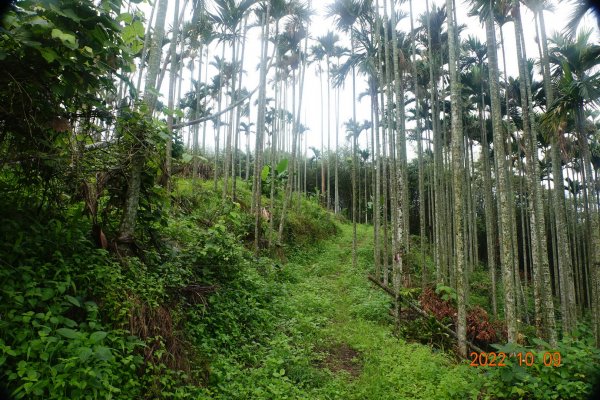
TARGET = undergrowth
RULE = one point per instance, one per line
(194, 313)
(169, 321)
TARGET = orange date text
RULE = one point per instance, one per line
(528, 359)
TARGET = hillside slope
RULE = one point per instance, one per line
(335, 341)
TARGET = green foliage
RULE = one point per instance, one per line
(574, 379)
(277, 177)
(65, 54)
(446, 293)
(55, 340)
(428, 331)
(308, 223)
(480, 289)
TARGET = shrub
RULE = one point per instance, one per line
(56, 342)
(574, 379)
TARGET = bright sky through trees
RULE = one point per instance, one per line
(555, 22)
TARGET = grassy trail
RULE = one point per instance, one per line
(346, 324)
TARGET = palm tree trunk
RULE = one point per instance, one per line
(437, 159)
(260, 129)
(238, 117)
(274, 156)
(218, 127)
(336, 202)
(457, 173)
(147, 38)
(323, 184)
(538, 235)
(490, 218)
(421, 173)
(354, 144)
(171, 101)
(395, 209)
(227, 164)
(385, 193)
(328, 133)
(247, 176)
(205, 103)
(295, 129)
(564, 259)
(377, 163)
(502, 182)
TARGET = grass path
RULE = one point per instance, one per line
(345, 322)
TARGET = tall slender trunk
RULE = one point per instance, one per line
(490, 217)
(392, 112)
(336, 202)
(236, 154)
(328, 132)
(437, 155)
(323, 184)
(385, 193)
(457, 174)
(538, 234)
(260, 129)
(564, 258)
(205, 103)
(147, 38)
(171, 101)
(506, 254)
(197, 114)
(247, 175)
(295, 130)
(421, 177)
(274, 143)
(354, 144)
(373, 89)
(222, 89)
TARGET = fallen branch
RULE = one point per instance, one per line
(212, 116)
(233, 105)
(422, 312)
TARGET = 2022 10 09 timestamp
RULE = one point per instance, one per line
(527, 359)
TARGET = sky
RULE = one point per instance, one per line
(312, 103)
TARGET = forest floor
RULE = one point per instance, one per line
(338, 314)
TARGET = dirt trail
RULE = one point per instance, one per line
(354, 337)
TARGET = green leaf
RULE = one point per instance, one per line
(69, 322)
(73, 300)
(103, 353)
(282, 166)
(67, 39)
(97, 336)
(125, 17)
(264, 174)
(47, 294)
(133, 32)
(88, 50)
(40, 21)
(69, 13)
(542, 343)
(68, 333)
(65, 12)
(84, 353)
(48, 54)
(138, 28)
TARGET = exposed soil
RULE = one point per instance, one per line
(342, 357)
